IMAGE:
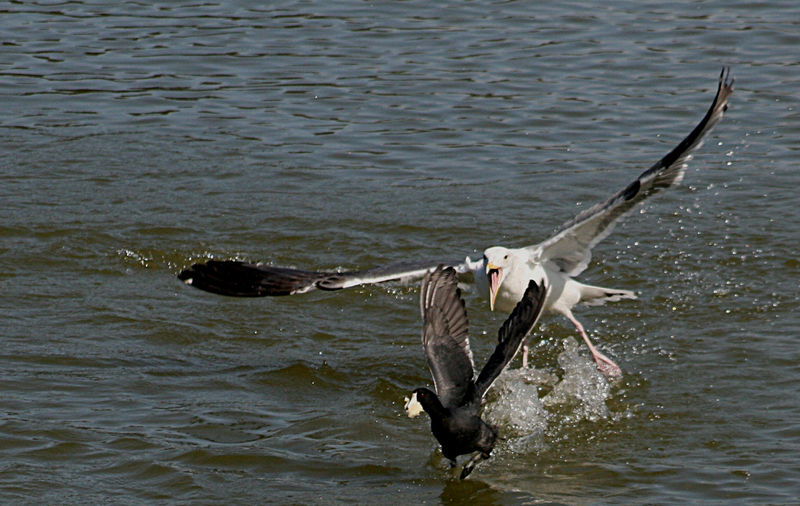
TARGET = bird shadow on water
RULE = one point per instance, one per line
(457, 491)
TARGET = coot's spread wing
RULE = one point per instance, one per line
(511, 334)
(444, 336)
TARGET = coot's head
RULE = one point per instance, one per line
(420, 398)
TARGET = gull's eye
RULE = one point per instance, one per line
(505, 257)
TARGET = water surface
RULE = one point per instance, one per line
(138, 139)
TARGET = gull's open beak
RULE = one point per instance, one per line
(413, 406)
(495, 275)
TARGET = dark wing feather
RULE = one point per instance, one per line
(570, 246)
(242, 279)
(511, 334)
(444, 337)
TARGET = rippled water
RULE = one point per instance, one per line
(138, 138)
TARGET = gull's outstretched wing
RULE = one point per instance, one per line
(242, 279)
(570, 247)
(444, 336)
(511, 334)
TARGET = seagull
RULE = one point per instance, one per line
(454, 409)
(501, 274)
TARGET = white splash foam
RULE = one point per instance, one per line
(517, 411)
(583, 390)
(517, 408)
(525, 417)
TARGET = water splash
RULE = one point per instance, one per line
(528, 404)
(583, 390)
(148, 258)
(517, 410)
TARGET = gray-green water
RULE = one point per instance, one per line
(138, 138)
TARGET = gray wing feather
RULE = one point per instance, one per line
(570, 246)
(444, 336)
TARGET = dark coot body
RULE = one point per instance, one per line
(454, 408)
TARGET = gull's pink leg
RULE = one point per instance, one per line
(604, 364)
(525, 350)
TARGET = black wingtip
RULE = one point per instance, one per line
(535, 294)
(530, 306)
(725, 78)
(724, 87)
(241, 279)
(222, 277)
(186, 275)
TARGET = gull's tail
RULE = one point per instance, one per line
(597, 295)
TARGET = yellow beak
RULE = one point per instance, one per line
(494, 282)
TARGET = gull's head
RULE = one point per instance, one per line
(413, 406)
(497, 262)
